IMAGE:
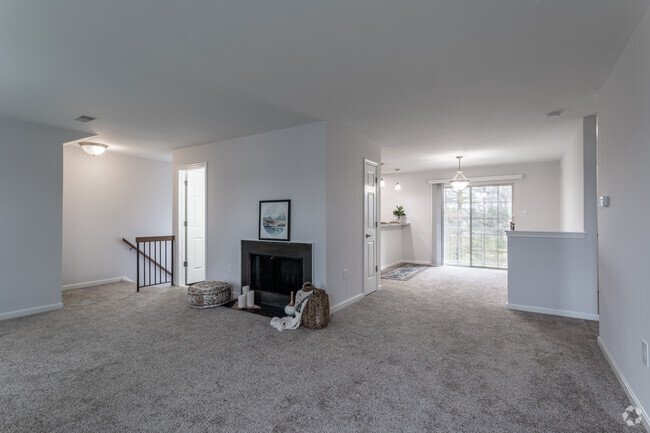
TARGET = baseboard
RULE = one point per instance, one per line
(94, 283)
(30, 311)
(342, 305)
(403, 262)
(623, 382)
(390, 265)
(418, 262)
(564, 313)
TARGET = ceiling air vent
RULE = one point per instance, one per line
(85, 119)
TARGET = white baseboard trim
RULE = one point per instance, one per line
(30, 311)
(623, 382)
(402, 262)
(94, 283)
(390, 265)
(342, 305)
(564, 313)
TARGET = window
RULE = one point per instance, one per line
(475, 220)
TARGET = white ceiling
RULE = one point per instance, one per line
(427, 79)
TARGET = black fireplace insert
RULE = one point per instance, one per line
(275, 269)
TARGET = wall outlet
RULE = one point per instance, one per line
(644, 353)
(345, 273)
(229, 267)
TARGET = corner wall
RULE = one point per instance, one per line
(557, 273)
(284, 164)
(623, 161)
(106, 198)
(572, 188)
(346, 152)
(31, 192)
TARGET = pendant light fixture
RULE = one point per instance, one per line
(397, 185)
(459, 182)
(93, 148)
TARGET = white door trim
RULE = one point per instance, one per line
(377, 226)
(180, 241)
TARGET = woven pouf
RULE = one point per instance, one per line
(208, 294)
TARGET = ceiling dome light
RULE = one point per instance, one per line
(93, 148)
(459, 182)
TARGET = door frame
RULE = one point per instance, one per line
(377, 227)
(182, 210)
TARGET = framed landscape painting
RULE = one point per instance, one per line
(275, 220)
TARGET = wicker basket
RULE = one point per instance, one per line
(316, 314)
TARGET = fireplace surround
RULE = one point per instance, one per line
(274, 269)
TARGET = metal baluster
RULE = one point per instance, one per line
(137, 266)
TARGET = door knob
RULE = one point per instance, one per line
(367, 236)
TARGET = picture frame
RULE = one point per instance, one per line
(274, 220)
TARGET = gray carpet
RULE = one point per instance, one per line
(439, 353)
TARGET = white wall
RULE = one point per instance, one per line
(284, 164)
(556, 273)
(623, 161)
(572, 187)
(31, 195)
(392, 240)
(536, 204)
(106, 198)
(345, 191)
(551, 275)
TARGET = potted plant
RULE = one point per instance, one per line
(400, 214)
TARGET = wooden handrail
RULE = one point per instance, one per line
(145, 239)
(155, 238)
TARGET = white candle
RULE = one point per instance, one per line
(250, 298)
(245, 289)
(241, 301)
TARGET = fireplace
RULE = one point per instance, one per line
(275, 269)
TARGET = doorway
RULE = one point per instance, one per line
(370, 225)
(192, 222)
(475, 221)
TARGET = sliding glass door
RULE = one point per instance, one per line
(475, 220)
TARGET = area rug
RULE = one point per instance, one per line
(405, 272)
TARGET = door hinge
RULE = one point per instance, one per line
(376, 268)
(185, 182)
(375, 224)
(185, 264)
(185, 223)
(375, 179)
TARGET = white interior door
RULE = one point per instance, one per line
(370, 223)
(195, 226)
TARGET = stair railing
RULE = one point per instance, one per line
(154, 260)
